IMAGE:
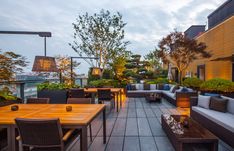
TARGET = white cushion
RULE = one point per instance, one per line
(152, 86)
(141, 87)
(230, 104)
(171, 95)
(223, 119)
(172, 87)
(137, 86)
(203, 101)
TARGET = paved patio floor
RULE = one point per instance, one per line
(136, 128)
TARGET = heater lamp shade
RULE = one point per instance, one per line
(96, 71)
(44, 64)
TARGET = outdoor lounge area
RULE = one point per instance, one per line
(119, 75)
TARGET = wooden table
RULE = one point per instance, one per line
(116, 91)
(80, 117)
(195, 135)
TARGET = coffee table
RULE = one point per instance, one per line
(153, 97)
(194, 136)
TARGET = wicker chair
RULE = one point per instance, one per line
(38, 101)
(81, 101)
(105, 95)
(40, 134)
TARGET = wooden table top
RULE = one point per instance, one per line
(195, 130)
(94, 90)
(81, 114)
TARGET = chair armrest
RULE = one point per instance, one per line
(193, 101)
(68, 134)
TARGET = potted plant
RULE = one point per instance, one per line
(6, 97)
(220, 86)
(57, 92)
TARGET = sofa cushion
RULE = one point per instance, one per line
(230, 104)
(172, 87)
(133, 87)
(153, 87)
(166, 87)
(218, 104)
(168, 93)
(175, 88)
(223, 119)
(212, 94)
(146, 87)
(160, 86)
(203, 101)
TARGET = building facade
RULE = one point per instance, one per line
(219, 39)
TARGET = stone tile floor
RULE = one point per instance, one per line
(136, 128)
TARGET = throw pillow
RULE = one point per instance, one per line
(166, 87)
(172, 87)
(230, 104)
(212, 94)
(203, 101)
(184, 89)
(218, 104)
(160, 86)
(133, 87)
(175, 88)
(146, 87)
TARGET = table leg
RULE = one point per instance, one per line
(84, 138)
(11, 138)
(104, 126)
(214, 146)
(117, 102)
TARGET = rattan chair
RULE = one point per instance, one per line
(105, 95)
(44, 134)
(81, 101)
(38, 101)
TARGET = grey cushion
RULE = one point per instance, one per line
(230, 104)
(168, 93)
(203, 101)
(152, 86)
(172, 87)
(223, 119)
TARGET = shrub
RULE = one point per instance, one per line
(192, 82)
(108, 82)
(6, 94)
(55, 86)
(217, 85)
(158, 81)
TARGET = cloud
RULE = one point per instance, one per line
(147, 22)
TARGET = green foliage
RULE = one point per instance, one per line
(108, 82)
(192, 82)
(100, 35)
(158, 81)
(118, 67)
(55, 86)
(217, 85)
(10, 64)
(6, 94)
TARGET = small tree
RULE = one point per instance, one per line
(64, 67)
(99, 35)
(154, 61)
(179, 50)
(10, 65)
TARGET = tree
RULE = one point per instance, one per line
(154, 61)
(180, 51)
(11, 64)
(64, 67)
(118, 67)
(100, 35)
(135, 68)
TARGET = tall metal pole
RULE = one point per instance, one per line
(71, 68)
(45, 45)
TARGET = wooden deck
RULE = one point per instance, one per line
(135, 128)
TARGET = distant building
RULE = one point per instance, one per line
(219, 39)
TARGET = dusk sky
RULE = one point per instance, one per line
(147, 22)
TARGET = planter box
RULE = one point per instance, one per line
(56, 96)
(9, 102)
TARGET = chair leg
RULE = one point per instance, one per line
(90, 131)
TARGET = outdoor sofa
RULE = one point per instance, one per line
(219, 120)
(178, 98)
